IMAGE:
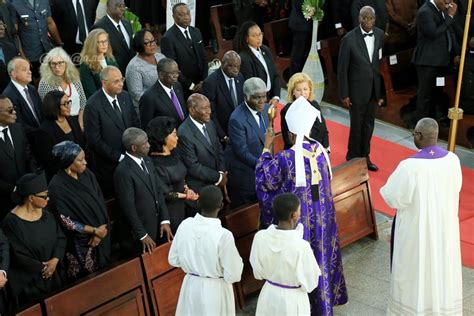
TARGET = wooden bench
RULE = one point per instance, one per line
(34, 310)
(244, 224)
(163, 280)
(277, 33)
(222, 15)
(329, 53)
(118, 291)
(351, 193)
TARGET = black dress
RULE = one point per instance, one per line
(50, 134)
(32, 243)
(172, 172)
(319, 130)
(77, 203)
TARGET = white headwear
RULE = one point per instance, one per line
(300, 119)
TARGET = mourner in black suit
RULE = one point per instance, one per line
(199, 146)
(257, 61)
(435, 44)
(9, 49)
(184, 44)
(74, 21)
(224, 89)
(15, 155)
(109, 112)
(120, 32)
(24, 95)
(4, 264)
(139, 196)
(165, 97)
(360, 82)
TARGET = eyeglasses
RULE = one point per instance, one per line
(44, 197)
(121, 80)
(103, 42)
(56, 63)
(150, 43)
(10, 110)
(67, 104)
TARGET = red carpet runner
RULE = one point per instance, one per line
(386, 155)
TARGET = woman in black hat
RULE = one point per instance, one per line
(36, 242)
(77, 201)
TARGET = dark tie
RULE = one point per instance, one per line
(204, 130)
(80, 21)
(261, 122)
(7, 141)
(121, 33)
(117, 109)
(448, 33)
(32, 105)
(177, 105)
(369, 34)
(144, 167)
(232, 93)
(190, 42)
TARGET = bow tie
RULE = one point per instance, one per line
(368, 34)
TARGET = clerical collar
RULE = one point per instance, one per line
(431, 152)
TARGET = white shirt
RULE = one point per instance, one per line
(167, 90)
(21, 89)
(184, 29)
(369, 42)
(78, 41)
(254, 114)
(111, 100)
(122, 28)
(259, 55)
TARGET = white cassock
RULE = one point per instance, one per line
(426, 274)
(206, 252)
(287, 262)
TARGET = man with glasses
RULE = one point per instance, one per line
(15, 155)
(109, 112)
(120, 32)
(165, 97)
(426, 264)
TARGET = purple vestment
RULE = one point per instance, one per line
(277, 175)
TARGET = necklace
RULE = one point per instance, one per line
(68, 94)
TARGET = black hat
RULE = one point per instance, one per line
(30, 184)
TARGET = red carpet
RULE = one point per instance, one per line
(387, 155)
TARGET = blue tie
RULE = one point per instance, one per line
(263, 128)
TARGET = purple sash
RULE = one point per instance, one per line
(431, 152)
(284, 286)
(197, 275)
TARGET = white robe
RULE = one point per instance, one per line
(284, 257)
(426, 274)
(204, 248)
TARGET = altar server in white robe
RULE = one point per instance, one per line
(286, 261)
(206, 252)
(426, 274)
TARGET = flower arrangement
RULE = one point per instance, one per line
(312, 9)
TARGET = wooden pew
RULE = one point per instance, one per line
(163, 280)
(351, 193)
(244, 224)
(276, 33)
(328, 54)
(34, 310)
(118, 291)
(222, 15)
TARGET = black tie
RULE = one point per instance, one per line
(261, 122)
(190, 42)
(32, 105)
(117, 110)
(7, 141)
(206, 135)
(80, 21)
(232, 93)
(369, 34)
(121, 33)
(144, 167)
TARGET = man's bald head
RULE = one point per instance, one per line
(231, 64)
(426, 132)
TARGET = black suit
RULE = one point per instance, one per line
(9, 51)
(23, 111)
(360, 80)
(13, 166)
(103, 132)
(4, 265)
(432, 54)
(121, 51)
(251, 67)
(202, 159)
(216, 89)
(141, 202)
(65, 16)
(191, 61)
(301, 30)
(156, 102)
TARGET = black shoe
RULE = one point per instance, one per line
(371, 166)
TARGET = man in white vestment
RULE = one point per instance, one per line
(426, 274)
(207, 254)
(286, 261)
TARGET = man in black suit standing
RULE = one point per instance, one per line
(75, 18)
(120, 32)
(199, 146)
(436, 41)
(23, 95)
(165, 97)
(139, 196)
(358, 74)
(15, 155)
(109, 112)
(184, 44)
(224, 89)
